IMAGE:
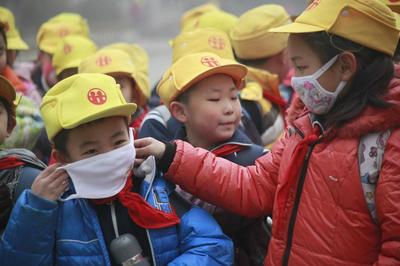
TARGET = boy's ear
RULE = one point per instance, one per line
(178, 110)
(58, 156)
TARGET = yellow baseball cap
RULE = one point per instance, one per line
(195, 12)
(250, 36)
(217, 19)
(51, 33)
(192, 68)
(367, 22)
(138, 55)
(72, 18)
(80, 99)
(202, 40)
(140, 59)
(14, 40)
(70, 52)
(111, 60)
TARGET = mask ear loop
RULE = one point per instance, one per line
(355, 50)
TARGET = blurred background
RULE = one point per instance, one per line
(150, 23)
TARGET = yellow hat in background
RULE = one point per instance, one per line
(192, 68)
(56, 28)
(217, 19)
(71, 18)
(367, 22)
(108, 60)
(202, 40)
(80, 99)
(194, 13)
(138, 55)
(140, 59)
(14, 40)
(111, 60)
(70, 52)
(250, 36)
(50, 35)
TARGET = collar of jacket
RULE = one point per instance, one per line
(238, 138)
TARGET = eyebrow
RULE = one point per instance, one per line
(218, 89)
(118, 134)
(87, 143)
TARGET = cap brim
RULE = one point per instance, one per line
(125, 110)
(7, 91)
(296, 27)
(237, 72)
(17, 44)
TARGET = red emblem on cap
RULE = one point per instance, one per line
(210, 61)
(216, 42)
(67, 49)
(313, 5)
(103, 61)
(97, 96)
(62, 32)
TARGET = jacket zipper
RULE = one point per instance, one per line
(292, 221)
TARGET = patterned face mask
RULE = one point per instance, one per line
(314, 96)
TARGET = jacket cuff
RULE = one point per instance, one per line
(38, 202)
(169, 154)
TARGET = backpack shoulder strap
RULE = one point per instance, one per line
(370, 156)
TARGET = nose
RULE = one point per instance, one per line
(228, 107)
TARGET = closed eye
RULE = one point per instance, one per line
(121, 142)
(90, 152)
(213, 100)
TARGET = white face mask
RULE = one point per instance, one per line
(103, 175)
(314, 96)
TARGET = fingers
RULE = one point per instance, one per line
(140, 143)
(51, 183)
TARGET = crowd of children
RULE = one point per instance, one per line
(268, 141)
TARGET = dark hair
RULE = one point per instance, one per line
(370, 82)
(3, 33)
(184, 97)
(60, 140)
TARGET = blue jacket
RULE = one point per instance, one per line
(42, 232)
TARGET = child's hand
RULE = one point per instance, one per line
(51, 183)
(146, 147)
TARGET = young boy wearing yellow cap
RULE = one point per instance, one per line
(63, 223)
(18, 167)
(201, 92)
(333, 180)
(118, 64)
(159, 123)
(265, 55)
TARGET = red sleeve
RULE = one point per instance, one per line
(388, 202)
(247, 191)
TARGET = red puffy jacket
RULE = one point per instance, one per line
(326, 220)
